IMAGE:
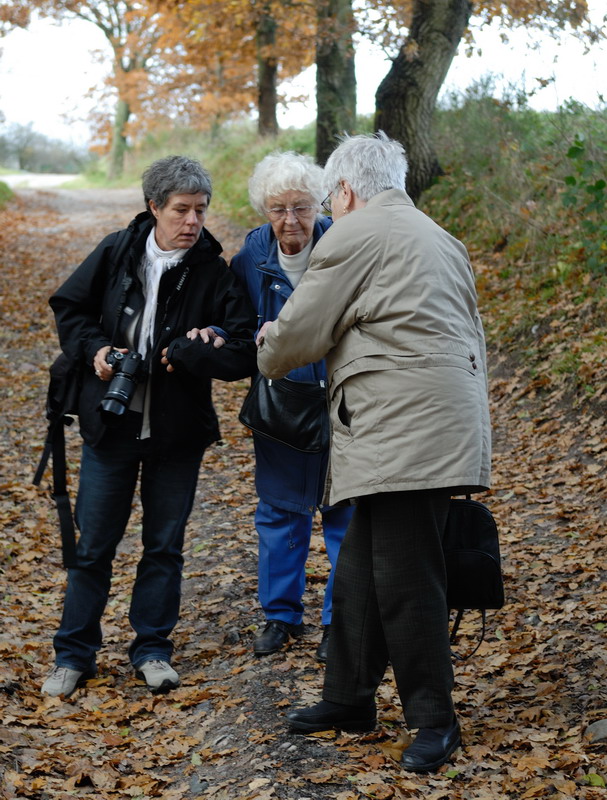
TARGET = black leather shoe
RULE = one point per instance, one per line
(325, 716)
(431, 748)
(274, 636)
(323, 647)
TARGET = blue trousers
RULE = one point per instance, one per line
(284, 543)
(108, 477)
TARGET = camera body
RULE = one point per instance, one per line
(128, 369)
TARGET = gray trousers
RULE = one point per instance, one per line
(389, 606)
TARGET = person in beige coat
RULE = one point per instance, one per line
(389, 300)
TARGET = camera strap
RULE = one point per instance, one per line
(176, 290)
(127, 282)
(174, 293)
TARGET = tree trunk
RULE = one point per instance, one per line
(118, 146)
(406, 97)
(335, 75)
(267, 69)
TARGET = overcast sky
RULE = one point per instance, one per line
(46, 71)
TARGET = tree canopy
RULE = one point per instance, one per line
(200, 62)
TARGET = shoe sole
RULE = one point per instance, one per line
(361, 726)
(82, 680)
(435, 764)
(166, 685)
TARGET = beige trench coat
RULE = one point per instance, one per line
(389, 300)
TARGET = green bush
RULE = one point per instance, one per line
(5, 194)
(506, 171)
(586, 195)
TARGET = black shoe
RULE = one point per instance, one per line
(274, 636)
(431, 748)
(326, 715)
(323, 647)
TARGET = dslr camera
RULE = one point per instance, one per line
(128, 369)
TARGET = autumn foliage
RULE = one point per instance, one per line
(531, 701)
(198, 62)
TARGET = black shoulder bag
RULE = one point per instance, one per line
(294, 413)
(473, 562)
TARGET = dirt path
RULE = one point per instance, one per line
(525, 699)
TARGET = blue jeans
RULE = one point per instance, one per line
(284, 543)
(108, 478)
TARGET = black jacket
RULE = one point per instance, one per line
(200, 291)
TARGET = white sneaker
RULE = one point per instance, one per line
(159, 676)
(62, 681)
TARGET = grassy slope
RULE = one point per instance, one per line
(540, 272)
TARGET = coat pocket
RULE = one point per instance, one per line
(341, 417)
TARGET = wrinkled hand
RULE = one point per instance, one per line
(262, 333)
(207, 335)
(102, 369)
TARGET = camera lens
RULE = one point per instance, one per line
(122, 387)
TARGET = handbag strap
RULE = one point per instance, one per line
(264, 299)
(62, 499)
(454, 630)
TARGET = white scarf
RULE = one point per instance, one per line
(154, 263)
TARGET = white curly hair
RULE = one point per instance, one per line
(280, 172)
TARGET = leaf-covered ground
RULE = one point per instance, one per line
(525, 700)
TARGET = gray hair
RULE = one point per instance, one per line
(174, 175)
(280, 172)
(370, 163)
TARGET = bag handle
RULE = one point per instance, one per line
(456, 624)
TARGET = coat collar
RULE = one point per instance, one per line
(391, 197)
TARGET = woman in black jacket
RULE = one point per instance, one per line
(145, 409)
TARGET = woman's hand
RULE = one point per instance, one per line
(207, 335)
(262, 332)
(164, 360)
(102, 369)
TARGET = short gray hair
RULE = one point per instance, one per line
(370, 163)
(174, 175)
(280, 172)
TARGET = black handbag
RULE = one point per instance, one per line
(295, 413)
(473, 562)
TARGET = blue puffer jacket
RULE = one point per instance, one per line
(284, 477)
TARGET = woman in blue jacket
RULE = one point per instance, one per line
(286, 188)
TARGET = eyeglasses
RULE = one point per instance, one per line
(301, 212)
(326, 203)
